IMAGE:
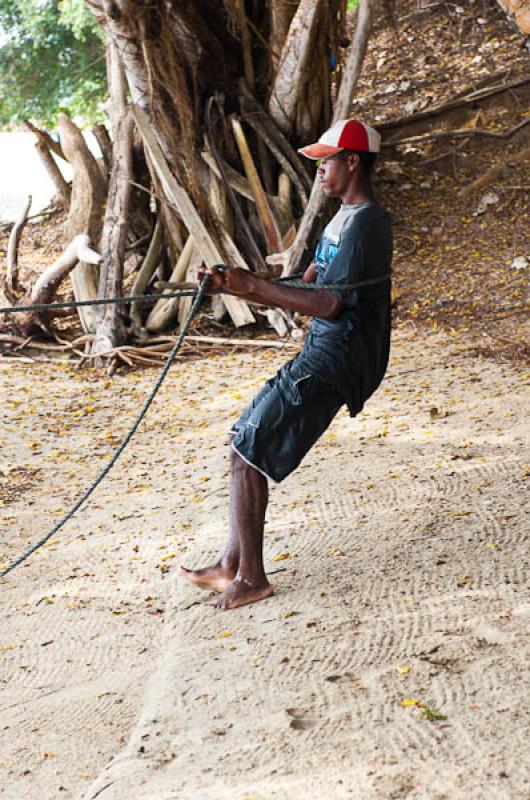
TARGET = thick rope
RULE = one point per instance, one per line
(199, 294)
(121, 447)
(294, 283)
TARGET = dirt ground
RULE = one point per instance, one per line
(392, 661)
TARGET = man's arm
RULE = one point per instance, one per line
(241, 282)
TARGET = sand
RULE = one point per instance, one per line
(398, 556)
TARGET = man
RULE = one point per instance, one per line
(343, 359)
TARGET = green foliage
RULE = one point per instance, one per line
(432, 714)
(351, 5)
(52, 58)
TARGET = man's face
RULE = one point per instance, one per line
(336, 172)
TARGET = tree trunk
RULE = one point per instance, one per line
(110, 330)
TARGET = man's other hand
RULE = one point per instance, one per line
(232, 280)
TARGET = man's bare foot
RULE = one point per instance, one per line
(241, 592)
(216, 577)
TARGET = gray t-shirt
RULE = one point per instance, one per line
(352, 350)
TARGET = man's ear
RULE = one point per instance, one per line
(353, 162)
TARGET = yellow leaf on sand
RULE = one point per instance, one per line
(225, 634)
(282, 556)
(410, 702)
(403, 670)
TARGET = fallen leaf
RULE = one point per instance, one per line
(282, 556)
(410, 702)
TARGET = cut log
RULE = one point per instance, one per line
(177, 195)
(88, 199)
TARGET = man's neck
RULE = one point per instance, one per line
(354, 195)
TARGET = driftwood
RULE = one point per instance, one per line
(30, 323)
(89, 195)
(11, 279)
(298, 256)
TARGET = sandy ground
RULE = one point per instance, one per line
(398, 556)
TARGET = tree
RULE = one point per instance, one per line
(52, 58)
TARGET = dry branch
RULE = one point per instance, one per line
(45, 137)
(11, 280)
(471, 96)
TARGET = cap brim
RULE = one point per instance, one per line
(317, 151)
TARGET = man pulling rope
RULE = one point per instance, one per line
(343, 360)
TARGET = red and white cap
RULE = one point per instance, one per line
(347, 134)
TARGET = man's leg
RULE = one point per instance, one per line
(240, 567)
(249, 495)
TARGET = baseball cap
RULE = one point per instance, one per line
(346, 134)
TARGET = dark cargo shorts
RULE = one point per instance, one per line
(284, 420)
